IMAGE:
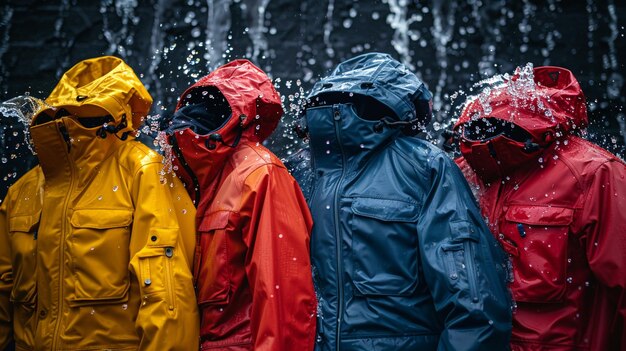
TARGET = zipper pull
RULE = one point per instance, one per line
(65, 135)
(520, 229)
(336, 112)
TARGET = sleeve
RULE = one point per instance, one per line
(604, 236)
(278, 263)
(463, 265)
(160, 265)
(6, 281)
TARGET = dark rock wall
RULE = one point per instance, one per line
(450, 44)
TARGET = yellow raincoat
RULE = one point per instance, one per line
(113, 237)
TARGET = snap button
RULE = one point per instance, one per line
(169, 251)
(43, 314)
(147, 282)
(153, 238)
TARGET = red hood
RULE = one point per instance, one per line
(553, 103)
(255, 106)
(249, 92)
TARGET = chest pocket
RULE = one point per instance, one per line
(212, 269)
(23, 236)
(384, 247)
(99, 248)
(536, 238)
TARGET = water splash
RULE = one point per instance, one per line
(5, 28)
(260, 46)
(400, 22)
(122, 39)
(442, 32)
(217, 26)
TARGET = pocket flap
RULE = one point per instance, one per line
(101, 218)
(23, 223)
(213, 221)
(540, 215)
(463, 230)
(385, 210)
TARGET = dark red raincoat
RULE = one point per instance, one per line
(557, 204)
(252, 266)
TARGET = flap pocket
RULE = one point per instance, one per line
(25, 224)
(213, 221)
(385, 210)
(463, 230)
(100, 256)
(540, 215)
(536, 238)
(101, 218)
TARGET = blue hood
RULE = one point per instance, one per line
(382, 78)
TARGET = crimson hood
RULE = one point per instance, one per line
(546, 103)
(542, 101)
(241, 106)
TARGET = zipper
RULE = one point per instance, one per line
(337, 119)
(183, 162)
(63, 131)
(170, 291)
(65, 135)
(471, 270)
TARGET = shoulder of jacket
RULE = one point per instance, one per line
(584, 158)
(248, 157)
(133, 155)
(420, 154)
(29, 179)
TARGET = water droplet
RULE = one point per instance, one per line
(569, 280)
(100, 198)
(115, 188)
(277, 286)
(328, 207)
(184, 211)
(92, 312)
(125, 307)
(280, 236)
(327, 152)
(92, 248)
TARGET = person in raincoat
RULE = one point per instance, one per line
(252, 268)
(402, 259)
(17, 317)
(97, 244)
(556, 203)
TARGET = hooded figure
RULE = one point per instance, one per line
(402, 259)
(252, 269)
(112, 239)
(556, 203)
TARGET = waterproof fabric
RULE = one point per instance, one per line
(558, 214)
(402, 259)
(112, 237)
(252, 266)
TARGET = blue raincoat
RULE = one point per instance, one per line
(402, 258)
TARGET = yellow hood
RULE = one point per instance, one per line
(101, 86)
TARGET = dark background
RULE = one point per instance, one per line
(450, 45)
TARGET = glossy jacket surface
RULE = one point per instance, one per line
(560, 217)
(402, 259)
(252, 266)
(112, 237)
